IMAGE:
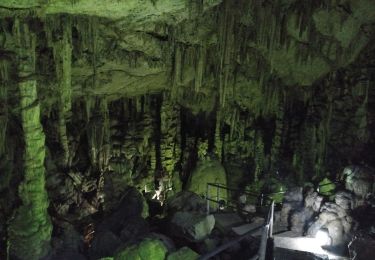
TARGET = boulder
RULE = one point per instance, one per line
(336, 218)
(184, 253)
(362, 247)
(299, 220)
(313, 201)
(301, 217)
(147, 249)
(104, 244)
(297, 212)
(186, 201)
(360, 181)
(326, 187)
(133, 205)
(208, 171)
(168, 242)
(293, 201)
(192, 226)
(344, 199)
(294, 195)
(134, 228)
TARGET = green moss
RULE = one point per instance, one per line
(184, 253)
(202, 150)
(326, 187)
(210, 171)
(20, 3)
(277, 190)
(146, 250)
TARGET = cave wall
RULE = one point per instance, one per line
(139, 90)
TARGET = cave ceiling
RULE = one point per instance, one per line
(210, 47)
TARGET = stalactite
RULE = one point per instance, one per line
(62, 50)
(30, 229)
(105, 149)
(170, 151)
(176, 71)
(3, 104)
(324, 135)
(278, 137)
(200, 67)
(226, 44)
(98, 135)
(88, 106)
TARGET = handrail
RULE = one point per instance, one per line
(267, 233)
(262, 196)
(229, 244)
(217, 185)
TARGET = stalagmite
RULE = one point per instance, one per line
(169, 148)
(278, 137)
(259, 157)
(30, 229)
(218, 137)
(105, 97)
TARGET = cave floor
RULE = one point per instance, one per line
(290, 245)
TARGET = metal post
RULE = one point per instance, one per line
(271, 219)
(218, 198)
(208, 198)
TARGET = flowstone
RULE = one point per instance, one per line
(210, 171)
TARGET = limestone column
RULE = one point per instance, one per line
(30, 228)
(63, 62)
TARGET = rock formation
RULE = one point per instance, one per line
(101, 97)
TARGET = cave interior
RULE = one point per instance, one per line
(134, 129)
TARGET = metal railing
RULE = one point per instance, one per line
(267, 234)
(261, 199)
(263, 251)
(230, 203)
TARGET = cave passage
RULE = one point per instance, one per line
(167, 129)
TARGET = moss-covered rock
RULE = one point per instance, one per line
(277, 191)
(146, 250)
(192, 226)
(210, 171)
(326, 187)
(184, 253)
